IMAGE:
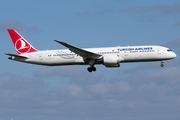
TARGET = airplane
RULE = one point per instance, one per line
(107, 56)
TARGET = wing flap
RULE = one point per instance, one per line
(81, 52)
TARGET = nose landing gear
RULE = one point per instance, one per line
(162, 65)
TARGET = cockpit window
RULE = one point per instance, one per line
(169, 50)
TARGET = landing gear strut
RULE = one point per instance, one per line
(162, 65)
(92, 68)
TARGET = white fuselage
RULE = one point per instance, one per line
(108, 56)
(123, 54)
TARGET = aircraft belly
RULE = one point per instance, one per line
(63, 61)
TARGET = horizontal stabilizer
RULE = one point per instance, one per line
(15, 56)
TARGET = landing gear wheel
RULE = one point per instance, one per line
(93, 68)
(162, 65)
(89, 69)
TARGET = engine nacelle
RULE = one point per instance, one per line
(111, 60)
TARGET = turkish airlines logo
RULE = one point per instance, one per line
(22, 46)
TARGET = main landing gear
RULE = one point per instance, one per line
(91, 68)
(162, 65)
(91, 63)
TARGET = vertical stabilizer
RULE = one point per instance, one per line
(21, 45)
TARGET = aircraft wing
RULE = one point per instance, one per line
(16, 56)
(81, 52)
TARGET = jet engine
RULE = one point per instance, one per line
(111, 60)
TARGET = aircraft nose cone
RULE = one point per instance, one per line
(174, 55)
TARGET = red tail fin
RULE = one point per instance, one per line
(21, 45)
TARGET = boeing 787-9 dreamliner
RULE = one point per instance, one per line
(107, 56)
